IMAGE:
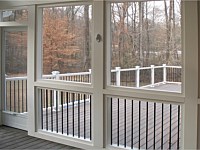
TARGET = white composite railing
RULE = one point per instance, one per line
(76, 76)
(16, 87)
(137, 71)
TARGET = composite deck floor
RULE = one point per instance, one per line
(170, 87)
(11, 138)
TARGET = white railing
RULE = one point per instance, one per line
(137, 71)
(16, 84)
(16, 94)
(76, 76)
(73, 77)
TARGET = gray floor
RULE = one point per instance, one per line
(11, 138)
(169, 87)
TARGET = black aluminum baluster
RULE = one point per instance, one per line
(41, 98)
(26, 96)
(124, 122)
(14, 97)
(162, 126)
(73, 99)
(51, 102)
(67, 113)
(10, 96)
(118, 122)
(84, 117)
(57, 111)
(132, 125)
(139, 124)
(62, 108)
(46, 109)
(79, 115)
(111, 118)
(178, 134)
(90, 118)
(170, 127)
(154, 132)
(22, 96)
(147, 117)
(18, 98)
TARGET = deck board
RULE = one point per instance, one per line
(11, 138)
(169, 87)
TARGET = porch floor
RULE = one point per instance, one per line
(11, 138)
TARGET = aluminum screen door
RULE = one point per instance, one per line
(14, 42)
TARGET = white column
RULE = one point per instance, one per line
(164, 73)
(118, 76)
(31, 72)
(137, 78)
(98, 125)
(152, 75)
(191, 48)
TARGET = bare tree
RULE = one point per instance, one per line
(141, 19)
(87, 64)
(147, 36)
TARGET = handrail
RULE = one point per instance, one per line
(179, 67)
(16, 78)
(117, 70)
(137, 79)
(74, 74)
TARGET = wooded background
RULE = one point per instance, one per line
(142, 34)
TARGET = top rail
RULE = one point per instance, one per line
(166, 75)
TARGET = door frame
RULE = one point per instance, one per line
(13, 119)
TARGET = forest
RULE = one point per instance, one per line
(146, 33)
(142, 34)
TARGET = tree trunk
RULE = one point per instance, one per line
(133, 26)
(147, 36)
(122, 16)
(87, 46)
(167, 33)
(141, 18)
(175, 53)
(114, 34)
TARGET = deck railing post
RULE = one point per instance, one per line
(137, 74)
(164, 73)
(90, 75)
(55, 92)
(152, 75)
(118, 75)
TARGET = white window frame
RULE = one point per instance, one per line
(2, 53)
(97, 81)
(133, 91)
(188, 98)
(99, 89)
(39, 79)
